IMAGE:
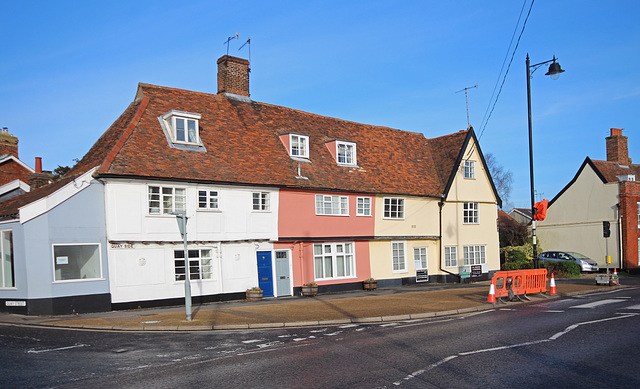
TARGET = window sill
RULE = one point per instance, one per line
(335, 279)
(400, 272)
(208, 210)
(78, 280)
(327, 214)
(392, 218)
(364, 215)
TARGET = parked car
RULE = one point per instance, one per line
(586, 264)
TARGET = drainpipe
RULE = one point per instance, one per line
(440, 206)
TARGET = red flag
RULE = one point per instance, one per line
(541, 210)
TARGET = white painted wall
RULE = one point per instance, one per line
(141, 246)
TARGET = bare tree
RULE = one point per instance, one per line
(502, 178)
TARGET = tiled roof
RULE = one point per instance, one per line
(612, 170)
(243, 146)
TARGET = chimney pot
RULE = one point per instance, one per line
(38, 164)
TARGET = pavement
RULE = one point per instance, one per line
(389, 304)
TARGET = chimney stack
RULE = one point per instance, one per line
(8, 143)
(233, 75)
(39, 178)
(617, 149)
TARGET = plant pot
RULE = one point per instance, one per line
(254, 295)
(370, 285)
(309, 291)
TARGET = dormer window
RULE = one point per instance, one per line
(299, 145)
(182, 127)
(346, 152)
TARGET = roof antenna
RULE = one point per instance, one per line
(229, 40)
(467, 101)
(248, 42)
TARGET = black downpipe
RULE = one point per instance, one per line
(441, 205)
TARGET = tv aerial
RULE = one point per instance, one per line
(466, 98)
(229, 40)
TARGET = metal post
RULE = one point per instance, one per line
(533, 222)
(181, 218)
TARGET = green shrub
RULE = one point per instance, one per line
(562, 269)
(516, 259)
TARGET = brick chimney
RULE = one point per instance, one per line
(617, 150)
(233, 75)
(8, 143)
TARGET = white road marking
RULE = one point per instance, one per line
(597, 303)
(424, 323)
(554, 337)
(348, 326)
(633, 307)
(553, 311)
(333, 333)
(574, 326)
(32, 351)
(252, 341)
(475, 314)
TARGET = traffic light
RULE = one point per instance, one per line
(606, 229)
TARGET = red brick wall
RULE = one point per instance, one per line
(629, 199)
(11, 170)
(233, 75)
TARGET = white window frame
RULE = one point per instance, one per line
(332, 205)
(177, 196)
(450, 256)
(59, 261)
(200, 266)
(421, 258)
(399, 256)
(171, 119)
(301, 148)
(348, 156)
(389, 213)
(264, 201)
(7, 262)
(470, 170)
(363, 206)
(326, 260)
(471, 213)
(474, 254)
(211, 198)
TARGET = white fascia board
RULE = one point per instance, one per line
(15, 184)
(19, 162)
(45, 204)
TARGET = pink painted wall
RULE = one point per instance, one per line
(302, 263)
(297, 217)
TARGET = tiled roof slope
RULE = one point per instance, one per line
(243, 146)
(96, 155)
(612, 170)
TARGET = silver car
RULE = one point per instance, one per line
(586, 264)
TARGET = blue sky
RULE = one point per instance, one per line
(69, 68)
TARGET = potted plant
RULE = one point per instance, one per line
(310, 289)
(254, 294)
(370, 284)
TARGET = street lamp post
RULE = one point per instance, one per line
(181, 218)
(554, 73)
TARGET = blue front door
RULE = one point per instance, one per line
(265, 273)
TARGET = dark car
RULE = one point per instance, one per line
(586, 264)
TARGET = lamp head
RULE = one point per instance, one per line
(554, 70)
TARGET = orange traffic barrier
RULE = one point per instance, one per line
(514, 283)
(492, 294)
(552, 285)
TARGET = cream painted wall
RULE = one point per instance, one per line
(574, 220)
(382, 263)
(421, 218)
(478, 190)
